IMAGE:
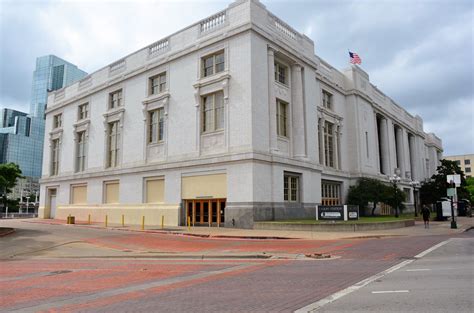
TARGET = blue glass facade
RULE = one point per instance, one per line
(22, 135)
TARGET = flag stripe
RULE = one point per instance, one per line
(354, 58)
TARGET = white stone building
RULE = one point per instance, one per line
(231, 120)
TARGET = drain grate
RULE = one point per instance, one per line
(59, 272)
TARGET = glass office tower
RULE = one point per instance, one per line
(22, 135)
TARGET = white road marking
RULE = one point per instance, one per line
(419, 270)
(318, 304)
(391, 291)
(422, 254)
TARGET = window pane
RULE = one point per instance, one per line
(161, 122)
(219, 105)
(220, 62)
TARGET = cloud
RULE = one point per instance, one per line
(417, 52)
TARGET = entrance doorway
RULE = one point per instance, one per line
(209, 212)
(52, 203)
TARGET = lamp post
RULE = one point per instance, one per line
(415, 184)
(395, 179)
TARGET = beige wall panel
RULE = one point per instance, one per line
(204, 186)
(112, 192)
(155, 190)
(79, 194)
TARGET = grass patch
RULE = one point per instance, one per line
(361, 220)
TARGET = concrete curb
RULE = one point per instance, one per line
(333, 227)
(5, 231)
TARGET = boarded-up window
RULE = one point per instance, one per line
(79, 194)
(213, 186)
(155, 190)
(111, 192)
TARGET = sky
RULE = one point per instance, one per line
(418, 52)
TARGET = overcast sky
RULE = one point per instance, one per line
(419, 52)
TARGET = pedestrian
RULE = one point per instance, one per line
(426, 216)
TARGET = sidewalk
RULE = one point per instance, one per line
(436, 228)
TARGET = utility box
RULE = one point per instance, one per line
(71, 220)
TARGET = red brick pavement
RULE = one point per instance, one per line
(266, 286)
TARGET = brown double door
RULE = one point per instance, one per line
(209, 212)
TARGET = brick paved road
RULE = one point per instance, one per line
(33, 284)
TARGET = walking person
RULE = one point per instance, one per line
(426, 216)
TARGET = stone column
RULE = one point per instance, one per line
(412, 147)
(399, 148)
(384, 147)
(272, 101)
(298, 111)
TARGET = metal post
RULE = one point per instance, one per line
(414, 200)
(106, 220)
(123, 220)
(89, 219)
(162, 221)
(143, 222)
(453, 221)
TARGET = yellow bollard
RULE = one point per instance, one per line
(106, 220)
(162, 221)
(143, 222)
(89, 219)
(189, 223)
(123, 220)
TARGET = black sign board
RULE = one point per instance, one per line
(331, 212)
(352, 212)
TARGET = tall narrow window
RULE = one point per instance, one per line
(282, 118)
(54, 157)
(81, 151)
(155, 125)
(327, 100)
(330, 193)
(83, 111)
(291, 187)
(57, 121)
(115, 99)
(113, 144)
(281, 73)
(157, 84)
(213, 112)
(329, 144)
(213, 64)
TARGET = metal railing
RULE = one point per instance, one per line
(17, 215)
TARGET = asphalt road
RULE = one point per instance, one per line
(441, 281)
(80, 269)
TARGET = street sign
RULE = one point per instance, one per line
(451, 192)
(454, 178)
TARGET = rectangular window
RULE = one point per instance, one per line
(291, 188)
(81, 151)
(78, 194)
(330, 193)
(115, 99)
(111, 192)
(281, 73)
(458, 162)
(213, 64)
(155, 125)
(282, 118)
(155, 190)
(327, 100)
(83, 111)
(329, 144)
(468, 169)
(113, 144)
(158, 84)
(54, 157)
(57, 121)
(213, 112)
(467, 162)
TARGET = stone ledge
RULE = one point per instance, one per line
(336, 227)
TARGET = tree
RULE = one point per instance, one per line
(368, 190)
(9, 173)
(470, 188)
(432, 191)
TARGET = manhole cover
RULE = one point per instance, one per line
(59, 272)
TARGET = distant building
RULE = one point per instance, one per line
(229, 121)
(22, 134)
(465, 162)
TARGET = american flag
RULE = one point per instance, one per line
(354, 58)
